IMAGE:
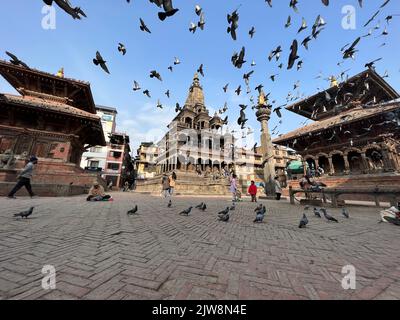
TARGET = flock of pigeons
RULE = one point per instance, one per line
(239, 58)
(260, 212)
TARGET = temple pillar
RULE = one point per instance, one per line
(304, 162)
(364, 162)
(331, 167)
(387, 162)
(346, 164)
(316, 163)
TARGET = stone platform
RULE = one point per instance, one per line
(384, 180)
(186, 184)
(51, 178)
(101, 253)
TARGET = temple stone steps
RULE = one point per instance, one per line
(187, 183)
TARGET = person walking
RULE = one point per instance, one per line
(165, 186)
(233, 188)
(172, 183)
(278, 189)
(253, 191)
(24, 178)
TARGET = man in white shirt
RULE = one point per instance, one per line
(24, 178)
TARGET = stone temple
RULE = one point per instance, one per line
(195, 148)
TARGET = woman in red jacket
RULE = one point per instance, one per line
(253, 191)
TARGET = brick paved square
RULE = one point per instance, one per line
(101, 253)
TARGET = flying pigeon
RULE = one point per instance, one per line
(167, 5)
(15, 61)
(100, 61)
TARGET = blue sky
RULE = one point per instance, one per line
(73, 45)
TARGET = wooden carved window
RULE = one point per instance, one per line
(24, 144)
(40, 149)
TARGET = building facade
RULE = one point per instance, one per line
(249, 165)
(146, 160)
(113, 161)
(95, 159)
(119, 166)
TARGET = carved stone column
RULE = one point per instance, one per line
(346, 165)
(365, 163)
(263, 115)
(331, 167)
(387, 162)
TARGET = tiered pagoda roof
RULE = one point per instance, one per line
(32, 82)
(44, 92)
(364, 96)
(360, 89)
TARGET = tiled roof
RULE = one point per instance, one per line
(305, 107)
(112, 109)
(43, 73)
(342, 118)
(47, 105)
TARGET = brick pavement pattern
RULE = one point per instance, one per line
(101, 253)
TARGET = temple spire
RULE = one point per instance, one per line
(195, 96)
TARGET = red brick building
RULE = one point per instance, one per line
(52, 118)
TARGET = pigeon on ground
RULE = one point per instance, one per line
(224, 212)
(25, 214)
(329, 217)
(133, 211)
(260, 215)
(186, 212)
(170, 204)
(317, 213)
(224, 218)
(204, 207)
(199, 206)
(303, 221)
(345, 213)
